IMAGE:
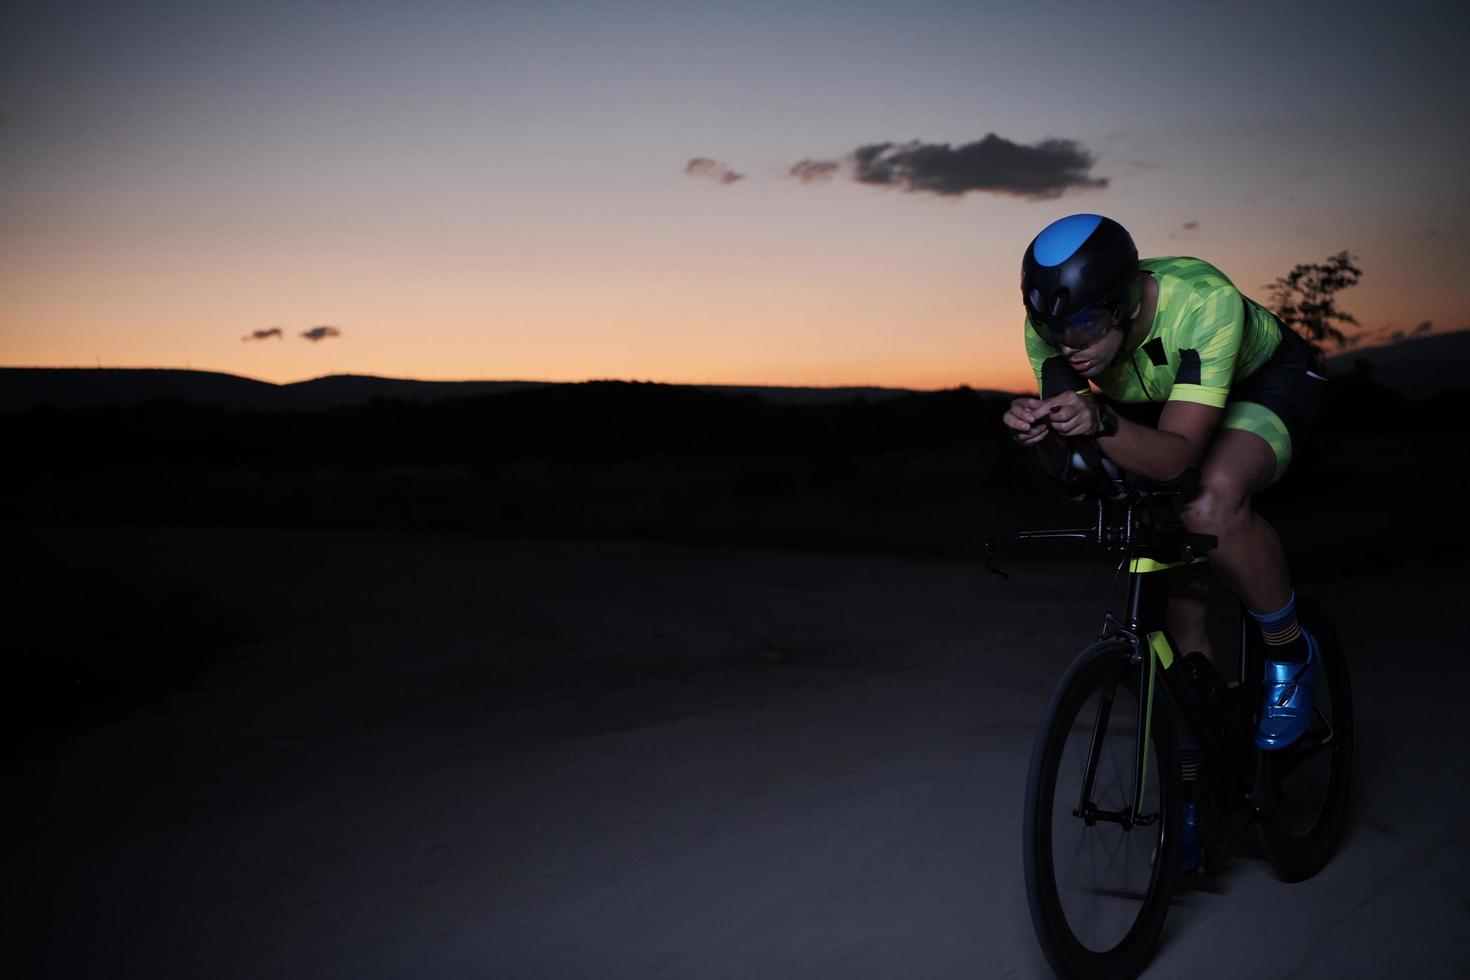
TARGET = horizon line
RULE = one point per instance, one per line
(525, 381)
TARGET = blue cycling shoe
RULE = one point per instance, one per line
(1188, 841)
(1286, 704)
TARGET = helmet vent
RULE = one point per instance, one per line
(1060, 300)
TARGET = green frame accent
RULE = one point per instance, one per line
(1163, 656)
(1159, 644)
(1148, 725)
(1140, 566)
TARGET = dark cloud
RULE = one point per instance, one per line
(1422, 329)
(814, 171)
(714, 169)
(1184, 229)
(275, 332)
(992, 165)
(316, 334)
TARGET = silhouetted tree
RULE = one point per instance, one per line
(1306, 298)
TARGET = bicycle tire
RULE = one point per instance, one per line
(1298, 848)
(1099, 665)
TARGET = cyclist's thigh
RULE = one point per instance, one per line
(1279, 401)
(1237, 465)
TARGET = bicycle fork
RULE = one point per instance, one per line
(1132, 813)
(1152, 653)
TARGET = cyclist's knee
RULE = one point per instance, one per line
(1215, 509)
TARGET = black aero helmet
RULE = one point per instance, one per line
(1076, 276)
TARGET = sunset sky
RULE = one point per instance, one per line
(505, 190)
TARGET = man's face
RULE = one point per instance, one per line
(1092, 360)
(1087, 338)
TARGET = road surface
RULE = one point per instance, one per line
(448, 756)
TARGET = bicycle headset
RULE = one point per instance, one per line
(1079, 278)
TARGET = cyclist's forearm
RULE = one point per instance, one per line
(1155, 453)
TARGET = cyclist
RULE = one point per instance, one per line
(1188, 373)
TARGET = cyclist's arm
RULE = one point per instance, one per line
(1176, 445)
(1159, 454)
(1208, 344)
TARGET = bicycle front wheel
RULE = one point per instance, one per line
(1099, 852)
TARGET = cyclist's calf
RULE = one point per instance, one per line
(1248, 559)
(1187, 613)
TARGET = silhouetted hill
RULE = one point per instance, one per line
(347, 390)
(669, 462)
(22, 389)
(1417, 367)
(811, 396)
(62, 388)
(922, 471)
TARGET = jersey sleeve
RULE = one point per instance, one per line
(1209, 342)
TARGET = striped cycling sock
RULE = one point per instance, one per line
(1188, 766)
(1284, 640)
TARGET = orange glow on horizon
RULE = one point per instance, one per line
(734, 317)
(1020, 382)
(809, 292)
(915, 377)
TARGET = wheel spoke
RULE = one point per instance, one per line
(1298, 755)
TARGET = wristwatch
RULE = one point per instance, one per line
(1107, 420)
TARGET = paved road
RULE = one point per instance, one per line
(462, 757)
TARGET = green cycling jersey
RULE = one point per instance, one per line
(1205, 336)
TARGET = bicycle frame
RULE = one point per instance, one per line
(1155, 652)
(1152, 549)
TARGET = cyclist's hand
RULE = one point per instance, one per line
(1025, 419)
(1070, 414)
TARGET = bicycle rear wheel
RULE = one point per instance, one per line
(1098, 886)
(1306, 784)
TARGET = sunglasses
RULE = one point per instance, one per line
(1081, 328)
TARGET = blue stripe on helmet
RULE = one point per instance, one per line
(1060, 239)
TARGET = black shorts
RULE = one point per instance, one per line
(1279, 400)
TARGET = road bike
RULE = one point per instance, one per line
(1104, 792)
